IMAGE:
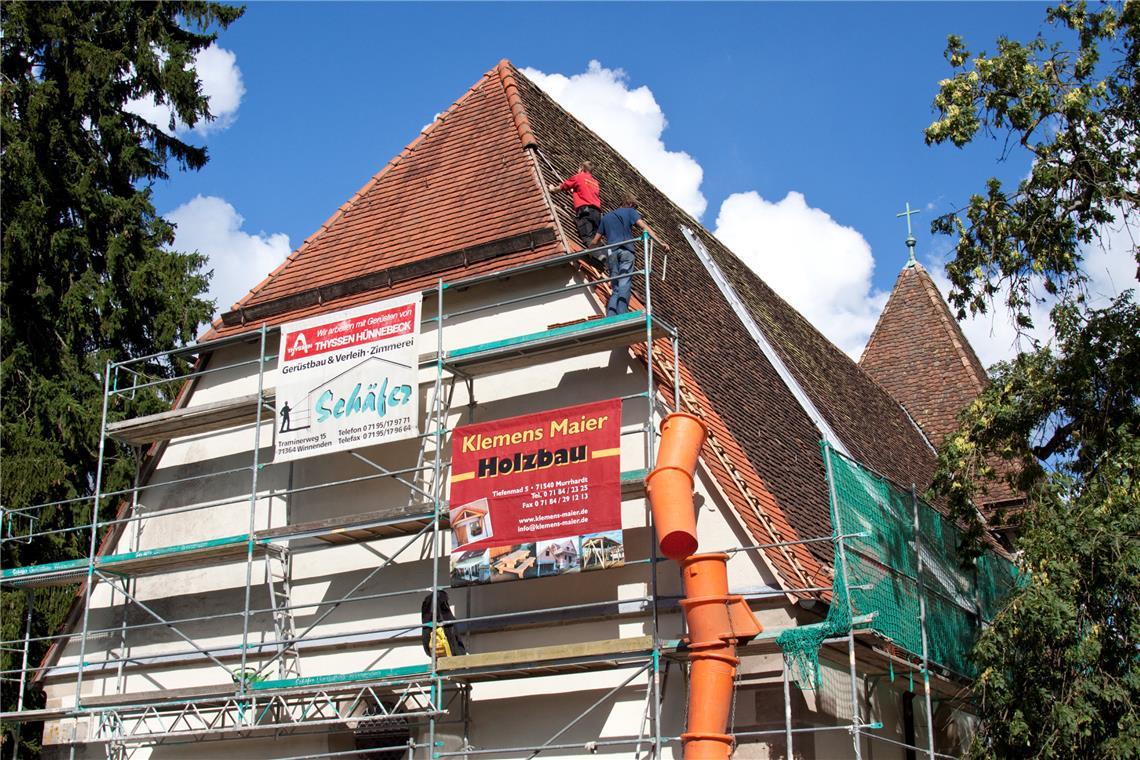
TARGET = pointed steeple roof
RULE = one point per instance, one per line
(920, 356)
(918, 353)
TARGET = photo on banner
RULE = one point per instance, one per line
(537, 495)
(349, 379)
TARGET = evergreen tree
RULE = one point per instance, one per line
(87, 273)
(1060, 667)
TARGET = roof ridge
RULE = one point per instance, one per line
(351, 202)
(507, 72)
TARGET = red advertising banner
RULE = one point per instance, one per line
(537, 495)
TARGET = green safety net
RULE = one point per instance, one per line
(880, 587)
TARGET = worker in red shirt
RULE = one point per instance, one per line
(587, 201)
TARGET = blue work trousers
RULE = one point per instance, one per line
(619, 264)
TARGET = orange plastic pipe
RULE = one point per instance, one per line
(708, 619)
(670, 492)
(707, 746)
(745, 626)
(705, 575)
(711, 680)
(682, 436)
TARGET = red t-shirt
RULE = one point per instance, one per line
(585, 189)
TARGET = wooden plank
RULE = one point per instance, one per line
(181, 560)
(190, 420)
(537, 655)
(161, 696)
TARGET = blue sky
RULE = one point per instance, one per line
(827, 101)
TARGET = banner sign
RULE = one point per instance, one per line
(537, 495)
(349, 379)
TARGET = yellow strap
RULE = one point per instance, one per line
(442, 647)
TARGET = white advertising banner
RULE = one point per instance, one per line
(349, 379)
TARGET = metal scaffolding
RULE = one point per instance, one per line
(269, 696)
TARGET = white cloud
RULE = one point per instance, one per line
(819, 266)
(632, 122)
(992, 334)
(221, 83)
(240, 260)
(1111, 261)
(1110, 264)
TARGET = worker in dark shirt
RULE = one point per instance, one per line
(587, 200)
(617, 227)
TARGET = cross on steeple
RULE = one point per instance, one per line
(910, 239)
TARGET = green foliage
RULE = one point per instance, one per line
(1077, 112)
(1060, 672)
(87, 274)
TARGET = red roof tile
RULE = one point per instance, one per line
(466, 181)
(919, 355)
(422, 213)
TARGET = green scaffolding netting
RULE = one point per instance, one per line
(882, 586)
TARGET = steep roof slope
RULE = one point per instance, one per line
(919, 355)
(420, 217)
(462, 196)
(778, 437)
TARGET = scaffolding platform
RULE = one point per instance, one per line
(553, 344)
(190, 420)
(548, 660)
(166, 559)
(497, 356)
(388, 522)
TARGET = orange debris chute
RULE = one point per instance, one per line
(670, 485)
(717, 621)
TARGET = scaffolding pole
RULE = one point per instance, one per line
(922, 622)
(846, 578)
(243, 687)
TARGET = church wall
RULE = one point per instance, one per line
(384, 632)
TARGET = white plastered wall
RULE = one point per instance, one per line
(384, 632)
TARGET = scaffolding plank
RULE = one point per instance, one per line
(190, 420)
(496, 356)
(35, 716)
(551, 344)
(145, 562)
(162, 696)
(339, 679)
(389, 521)
(548, 660)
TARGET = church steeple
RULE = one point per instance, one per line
(917, 351)
(919, 355)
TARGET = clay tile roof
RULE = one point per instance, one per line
(468, 195)
(463, 195)
(919, 355)
(771, 446)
